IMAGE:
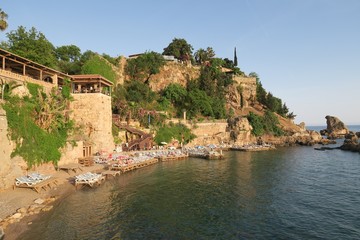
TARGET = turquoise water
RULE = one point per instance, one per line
(288, 193)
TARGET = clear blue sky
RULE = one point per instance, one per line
(306, 52)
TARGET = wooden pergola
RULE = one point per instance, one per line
(13, 63)
(90, 83)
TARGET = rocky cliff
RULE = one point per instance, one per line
(10, 168)
(241, 98)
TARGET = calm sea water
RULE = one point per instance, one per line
(354, 128)
(288, 193)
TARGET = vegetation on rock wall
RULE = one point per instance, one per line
(144, 66)
(39, 124)
(174, 131)
(267, 124)
(98, 65)
(202, 97)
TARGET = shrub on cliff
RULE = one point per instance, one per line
(267, 124)
(174, 131)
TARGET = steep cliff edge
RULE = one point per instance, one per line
(10, 168)
(240, 100)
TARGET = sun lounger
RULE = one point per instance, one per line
(89, 178)
(35, 181)
(38, 176)
(25, 181)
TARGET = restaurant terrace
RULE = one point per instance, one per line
(90, 83)
(14, 67)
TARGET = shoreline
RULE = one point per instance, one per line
(16, 229)
(16, 216)
(65, 188)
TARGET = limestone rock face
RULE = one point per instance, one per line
(173, 73)
(240, 129)
(10, 168)
(335, 127)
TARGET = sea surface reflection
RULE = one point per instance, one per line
(288, 193)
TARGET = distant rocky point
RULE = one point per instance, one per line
(335, 128)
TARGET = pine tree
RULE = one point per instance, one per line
(235, 58)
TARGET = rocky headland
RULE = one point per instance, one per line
(335, 128)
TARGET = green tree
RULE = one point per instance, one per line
(144, 66)
(235, 58)
(203, 55)
(139, 92)
(198, 102)
(32, 45)
(98, 65)
(69, 53)
(69, 59)
(175, 93)
(3, 20)
(180, 49)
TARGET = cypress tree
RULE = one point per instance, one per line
(235, 58)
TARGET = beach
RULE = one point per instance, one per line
(15, 200)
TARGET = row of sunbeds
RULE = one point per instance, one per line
(89, 178)
(31, 179)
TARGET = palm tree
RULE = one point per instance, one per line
(3, 18)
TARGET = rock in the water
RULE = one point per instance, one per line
(335, 127)
(351, 143)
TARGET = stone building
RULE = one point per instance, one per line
(91, 108)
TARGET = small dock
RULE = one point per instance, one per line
(133, 166)
(253, 148)
(172, 157)
(109, 173)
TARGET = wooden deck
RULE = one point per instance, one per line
(172, 158)
(70, 167)
(134, 166)
(86, 161)
(112, 173)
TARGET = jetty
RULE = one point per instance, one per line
(253, 148)
(205, 153)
